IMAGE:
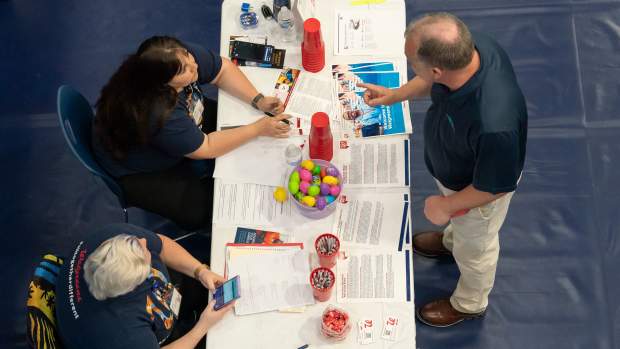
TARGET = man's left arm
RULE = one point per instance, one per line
(439, 209)
(497, 169)
(177, 258)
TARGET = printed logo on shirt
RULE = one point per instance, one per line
(74, 291)
(158, 301)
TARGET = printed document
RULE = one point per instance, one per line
(373, 162)
(371, 275)
(374, 218)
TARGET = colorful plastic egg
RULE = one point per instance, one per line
(323, 172)
(305, 175)
(299, 195)
(331, 180)
(293, 187)
(295, 177)
(321, 203)
(316, 170)
(332, 171)
(279, 194)
(316, 180)
(308, 201)
(314, 190)
(325, 189)
(329, 199)
(307, 164)
(303, 187)
(334, 190)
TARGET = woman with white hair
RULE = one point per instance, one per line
(115, 291)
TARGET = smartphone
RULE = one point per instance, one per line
(251, 51)
(226, 293)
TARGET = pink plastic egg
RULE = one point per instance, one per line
(305, 175)
(334, 190)
(303, 187)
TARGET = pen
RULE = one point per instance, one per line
(283, 120)
(303, 346)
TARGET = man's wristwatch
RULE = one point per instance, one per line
(256, 100)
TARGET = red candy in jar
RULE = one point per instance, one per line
(335, 323)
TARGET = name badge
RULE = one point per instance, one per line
(175, 302)
(197, 112)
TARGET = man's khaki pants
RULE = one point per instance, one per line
(474, 242)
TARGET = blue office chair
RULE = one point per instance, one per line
(76, 116)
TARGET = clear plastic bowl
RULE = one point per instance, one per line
(313, 212)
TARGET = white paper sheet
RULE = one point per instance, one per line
(373, 32)
(260, 161)
(375, 162)
(374, 218)
(248, 204)
(372, 275)
(271, 281)
(311, 94)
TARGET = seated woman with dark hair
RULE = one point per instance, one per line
(116, 291)
(153, 123)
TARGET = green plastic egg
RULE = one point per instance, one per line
(293, 187)
(314, 190)
(295, 177)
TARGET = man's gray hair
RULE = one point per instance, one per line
(437, 50)
(116, 267)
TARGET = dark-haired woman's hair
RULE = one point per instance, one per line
(138, 95)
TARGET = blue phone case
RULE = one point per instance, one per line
(226, 293)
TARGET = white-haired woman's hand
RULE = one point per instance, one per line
(210, 279)
(210, 316)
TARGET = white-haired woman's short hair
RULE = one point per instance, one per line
(116, 267)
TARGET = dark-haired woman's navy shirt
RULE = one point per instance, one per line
(477, 134)
(177, 137)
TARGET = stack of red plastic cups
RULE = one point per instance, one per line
(313, 47)
(321, 139)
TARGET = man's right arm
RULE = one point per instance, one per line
(414, 89)
(379, 95)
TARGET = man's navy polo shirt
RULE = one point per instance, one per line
(477, 134)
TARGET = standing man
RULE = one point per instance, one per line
(475, 133)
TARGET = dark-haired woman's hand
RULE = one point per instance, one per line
(273, 126)
(271, 105)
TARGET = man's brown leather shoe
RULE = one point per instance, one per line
(429, 244)
(440, 313)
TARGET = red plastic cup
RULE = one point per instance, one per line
(322, 294)
(327, 260)
(321, 140)
(313, 47)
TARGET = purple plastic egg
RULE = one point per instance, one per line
(321, 203)
(303, 187)
(334, 190)
(305, 175)
(332, 171)
(325, 189)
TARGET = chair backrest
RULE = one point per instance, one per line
(76, 117)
